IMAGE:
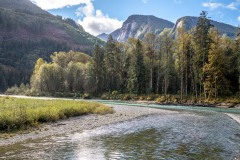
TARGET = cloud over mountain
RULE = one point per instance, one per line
(93, 21)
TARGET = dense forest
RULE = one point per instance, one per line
(199, 63)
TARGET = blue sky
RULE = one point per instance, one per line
(98, 16)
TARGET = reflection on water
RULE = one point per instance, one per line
(178, 136)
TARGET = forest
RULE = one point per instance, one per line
(199, 63)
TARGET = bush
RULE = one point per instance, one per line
(86, 96)
(21, 90)
(161, 99)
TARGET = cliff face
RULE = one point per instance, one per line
(136, 26)
(189, 22)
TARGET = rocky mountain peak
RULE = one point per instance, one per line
(136, 26)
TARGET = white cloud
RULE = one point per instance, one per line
(54, 4)
(212, 5)
(239, 18)
(95, 22)
(233, 5)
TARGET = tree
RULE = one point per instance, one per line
(98, 69)
(112, 64)
(75, 77)
(182, 59)
(150, 53)
(137, 73)
(35, 78)
(51, 78)
(215, 81)
(167, 62)
(202, 45)
(237, 41)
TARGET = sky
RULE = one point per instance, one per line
(105, 16)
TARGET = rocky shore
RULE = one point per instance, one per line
(122, 113)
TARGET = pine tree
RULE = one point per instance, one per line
(202, 45)
(182, 60)
(98, 69)
(151, 55)
(238, 54)
(137, 71)
(140, 69)
(111, 63)
(167, 62)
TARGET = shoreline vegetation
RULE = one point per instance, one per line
(221, 102)
(21, 114)
(230, 102)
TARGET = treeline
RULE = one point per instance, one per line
(199, 63)
(67, 72)
(17, 58)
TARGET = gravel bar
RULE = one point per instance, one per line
(86, 122)
(234, 116)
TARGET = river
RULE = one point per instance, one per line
(187, 135)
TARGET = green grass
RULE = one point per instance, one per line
(17, 113)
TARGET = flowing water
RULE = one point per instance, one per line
(187, 135)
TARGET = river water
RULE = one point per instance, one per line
(187, 135)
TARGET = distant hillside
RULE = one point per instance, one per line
(137, 26)
(189, 22)
(27, 33)
(103, 36)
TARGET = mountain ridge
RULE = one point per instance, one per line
(137, 26)
(188, 22)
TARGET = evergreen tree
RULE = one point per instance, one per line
(137, 73)
(202, 45)
(111, 63)
(151, 55)
(167, 62)
(98, 69)
(182, 60)
(238, 54)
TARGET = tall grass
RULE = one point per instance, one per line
(16, 113)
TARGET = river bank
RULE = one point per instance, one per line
(86, 122)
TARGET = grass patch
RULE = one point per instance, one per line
(17, 113)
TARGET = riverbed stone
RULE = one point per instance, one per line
(226, 105)
(237, 106)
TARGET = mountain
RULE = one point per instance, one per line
(103, 36)
(137, 26)
(27, 33)
(189, 22)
